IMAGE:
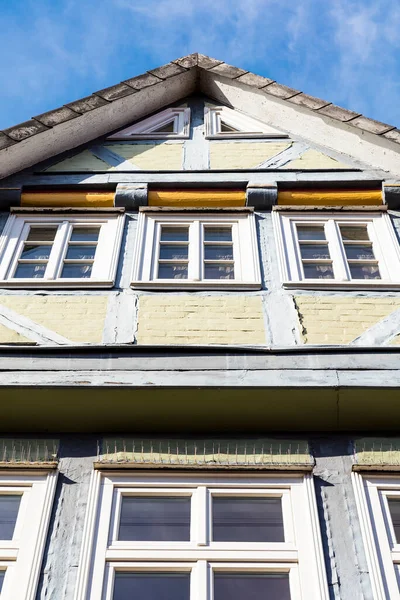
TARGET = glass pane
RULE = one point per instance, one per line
(175, 234)
(251, 586)
(315, 251)
(218, 234)
(2, 573)
(218, 252)
(85, 234)
(170, 252)
(36, 252)
(315, 271)
(155, 519)
(228, 128)
(394, 508)
(81, 252)
(76, 271)
(351, 234)
(213, 271)
(360, 271)
(30, 271)
(9, 507)
(308, 232)
(41, 234)
(151, 586)
(359, 252)
(247, 520)
(168, 128)
(168, 271)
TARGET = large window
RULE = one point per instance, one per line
(60, 251)
(212, 251)
(321, 250)
(25, 507)
(197, 537)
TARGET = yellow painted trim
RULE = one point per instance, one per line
(330, 197)
(100, 199)
(198, 198)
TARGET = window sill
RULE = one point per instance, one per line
(196, 285)
(341, 285)
(57, 283)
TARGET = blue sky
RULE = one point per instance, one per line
(55, 51)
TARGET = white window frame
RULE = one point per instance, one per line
(146, 129)
(105, 263)
(381, 234)
(21, 557)
(300, 556)
(247, 127)
(382, 550)
(245, 251)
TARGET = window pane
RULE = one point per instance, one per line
(218, 252)
(85, 234)
(2, 573)
(394, 508)
(168, 128)
(170, 252)
(247, 520)
(360, 271)
(318, 271)
(30, 271)
(81, 252)
(175, 234)
(218, 234)
(155, 519)
(251, 586)
(308, 232)
(215, 271)
(152, 586)
(350, 234)
(36, 252)
(315, 251)
(41, 234)
(9, 507)
(359, 252)
(76, 271)
(166, 271)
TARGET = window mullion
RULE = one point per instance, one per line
(195, 250)
(199, 581)
(58, 251)
(340, 267)
(203, 508)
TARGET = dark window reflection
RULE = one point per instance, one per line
(152, 586)
(247, 520)
(394, 508)
(9, 506)
(155, 519)
(2, 573)
(251, 586)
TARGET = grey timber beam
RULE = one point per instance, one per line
(131, 196)
(261, 197)
(392, 196)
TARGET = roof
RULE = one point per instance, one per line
(55, 121)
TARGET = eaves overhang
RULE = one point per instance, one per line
(199, 389)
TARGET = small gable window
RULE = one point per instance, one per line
(60, 251)
(169, 123)
(223, 122)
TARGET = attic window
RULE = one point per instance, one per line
(169, 123)
(223, 122)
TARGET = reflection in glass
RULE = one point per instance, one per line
(218, 271)
(360, 271)
(359, 252)
(81, 252)
(247, 520)
(172, 271)
(41, 234)
(9, 507)
(251, 586)
(351, 234)
(310, 233)
(2, 573)
(394, 509)
(174, 234)
(314, 251)
(35, 252)
(219, 252)
(170, 252)
(30, 271)
(217, 234)
(71, 271)
(152, 586)
(155, 519)
(317, 271)
(85, 234)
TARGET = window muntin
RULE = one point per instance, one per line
(48, 251)
(196, 251)
(9, 508)
(337, 250)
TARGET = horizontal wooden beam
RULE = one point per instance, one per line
(62, 199)
(198, 198)
(330, 197)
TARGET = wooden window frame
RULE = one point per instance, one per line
(21, 557)
(102, 555)
(146, 129)
(381, 233)
(105, 261)
(247, 127)
(245, 251)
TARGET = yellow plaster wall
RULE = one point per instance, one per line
(243, 155)
(84, 161)
(313, 159)
(151, 156)
(8, 336)
(339, 320)
(184, 319)
(78, 318)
